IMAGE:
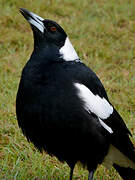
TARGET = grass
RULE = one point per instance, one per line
(103, 33)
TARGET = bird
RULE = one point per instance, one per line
(63, 108)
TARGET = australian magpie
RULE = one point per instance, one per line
(63, 108)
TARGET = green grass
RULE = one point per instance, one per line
(103, 33)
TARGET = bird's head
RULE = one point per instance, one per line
(48, 33)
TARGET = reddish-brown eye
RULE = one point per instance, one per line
(53, 28)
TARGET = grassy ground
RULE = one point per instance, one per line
(103, 33)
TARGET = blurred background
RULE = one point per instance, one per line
(103, 34)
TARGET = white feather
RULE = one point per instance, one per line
(95, 104)
(67, 52)
(105, 126)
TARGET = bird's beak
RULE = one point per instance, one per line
(33, 19)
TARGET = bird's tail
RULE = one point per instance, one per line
(124, 164)
(125, 173)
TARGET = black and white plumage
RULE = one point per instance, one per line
(62, 106)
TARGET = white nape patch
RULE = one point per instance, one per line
(105, 126)
(94, 103)
(67, 52)
(117, 157)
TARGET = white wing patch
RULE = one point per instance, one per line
(105, 126)
(95, 104)
(67, 52)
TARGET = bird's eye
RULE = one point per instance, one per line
(53, 28)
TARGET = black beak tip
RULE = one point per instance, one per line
(20, 9)
(24, 12)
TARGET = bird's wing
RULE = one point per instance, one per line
(95, 101)
(94, 97)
